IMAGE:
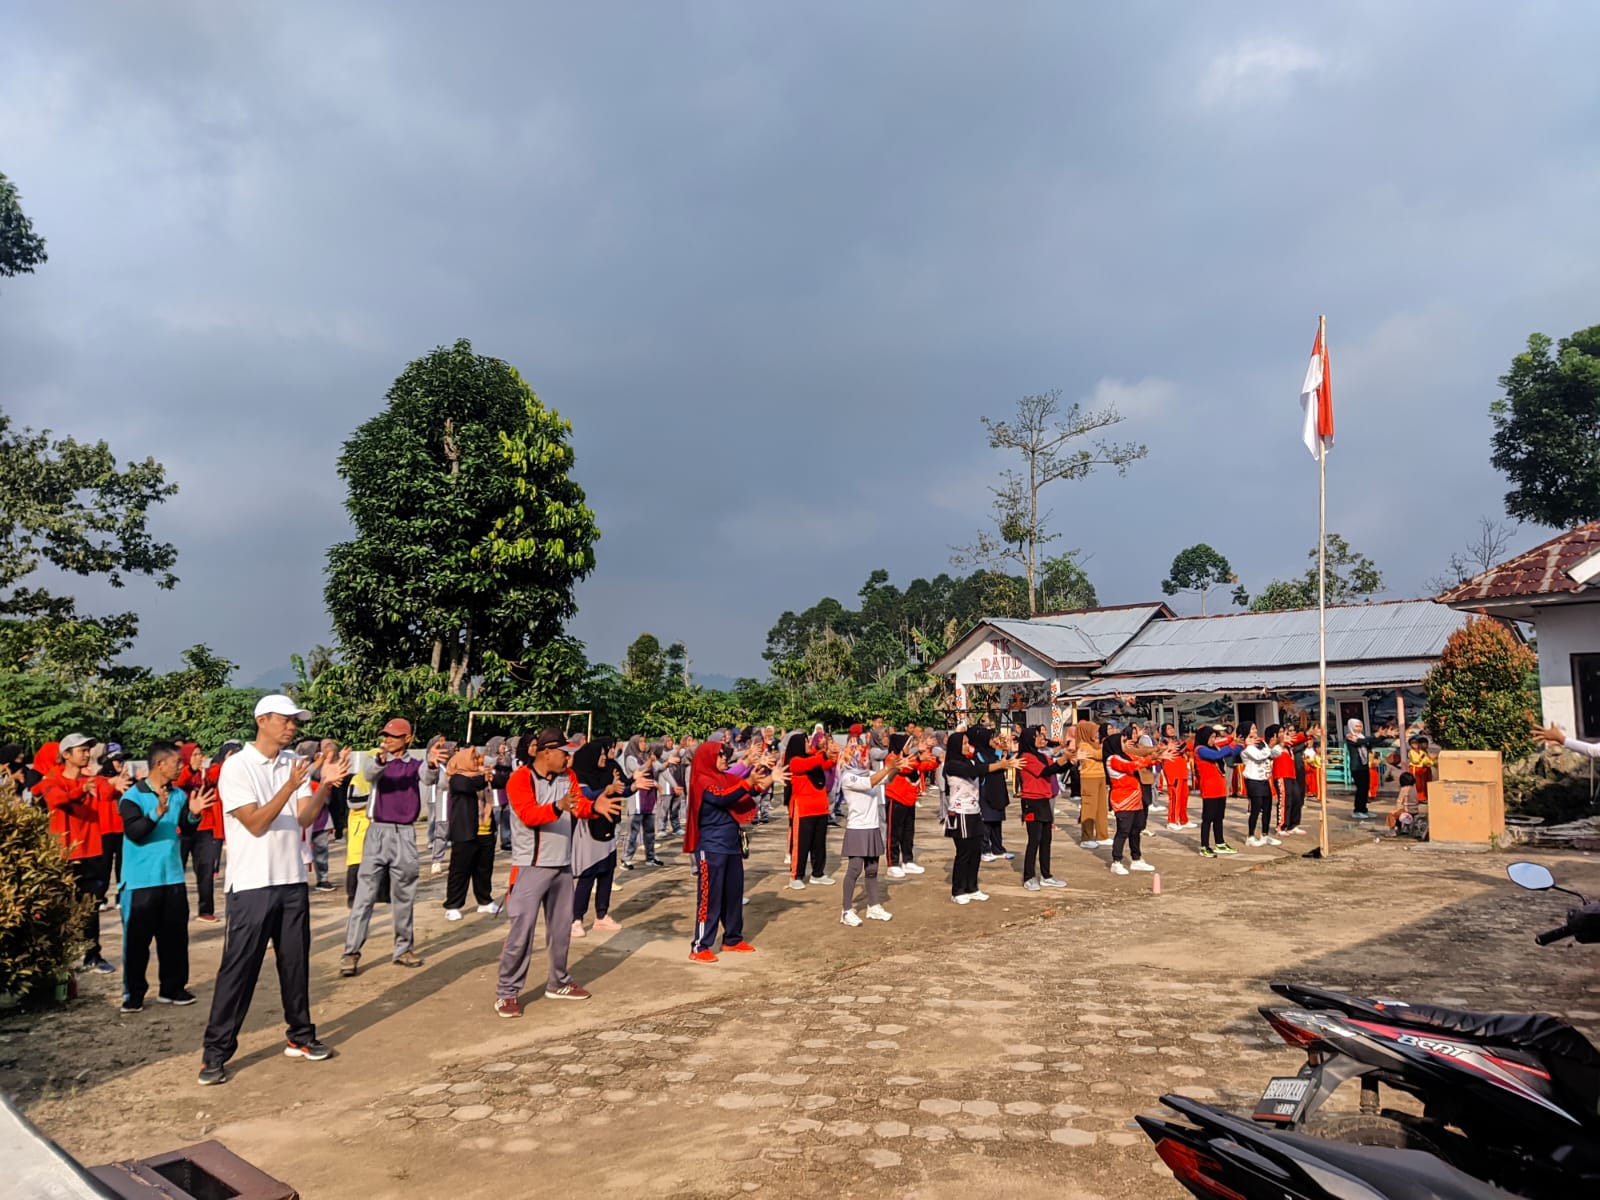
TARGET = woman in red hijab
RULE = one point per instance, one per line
(720, 805)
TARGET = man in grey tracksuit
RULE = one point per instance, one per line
(545, 802)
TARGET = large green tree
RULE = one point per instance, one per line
(21, 249)
(71, 506)
(470, 531)
(1198, 569)
(1352, 577)
(1547, 430)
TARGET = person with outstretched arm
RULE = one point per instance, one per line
(1554, 735)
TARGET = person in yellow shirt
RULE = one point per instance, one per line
(1421, 763)
(355, 839)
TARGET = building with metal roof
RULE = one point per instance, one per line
(1556, 588)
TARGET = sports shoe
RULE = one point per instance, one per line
(507, 1006)
(740, 947)
(1090, 845)
(1118, 869)
(324, 886)
(797, 885)
(577, 930)
(848, 917)
(408, 959)
(625, 864)
(822, 880)
(436, 869)
(452, 914)
(897, 873)
(349, 965)
(977, 895)
(1271, 841)
(181, 1000)
(1297, 831)
(1050, 881)
(1253, 840)
(655, 862)
(99, 966)
(1365, 816)
(912, 868)
(1158, 808)
(1191, 824)
(877, 912)
(212, 1075)
(1030, 885)
(702, 956)
(313, 1050)
(567, 991)
(491, 909)
(606, 923)
(130, 1005)
(1207, 852)
(1174, 826)
(986, 857)
(1007, 855)
(1224, 848)
(1139, 864)
(209, 918)
(962, 899)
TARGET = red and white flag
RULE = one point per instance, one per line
(1316, 398)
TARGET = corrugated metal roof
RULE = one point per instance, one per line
(1541, 571)
(1406, 629)
(1090, 636)
(1401, 673)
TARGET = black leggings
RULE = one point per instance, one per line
(207, 853)
(1130, 825)
(964, 871)
(1260, 793)
(810, 841)
(992, 843)
(470, 862)
(1294, 803)
(902, 831)
(599, 878)
(1211, 813)
(1361, 776)
(1036, 858)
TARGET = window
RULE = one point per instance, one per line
(1586, 695)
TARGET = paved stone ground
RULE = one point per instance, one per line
(995, 1050)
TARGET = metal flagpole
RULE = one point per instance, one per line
(1322, 604)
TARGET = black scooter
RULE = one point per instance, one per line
(1511, 1098)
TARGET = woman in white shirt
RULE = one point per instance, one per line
(864, 838)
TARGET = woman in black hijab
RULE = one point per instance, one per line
(594, 841)
(994, 797)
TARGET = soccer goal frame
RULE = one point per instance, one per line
(587, 713)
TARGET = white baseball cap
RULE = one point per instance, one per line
(73, 740)
(282, 706)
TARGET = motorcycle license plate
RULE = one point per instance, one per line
(1282, 1100)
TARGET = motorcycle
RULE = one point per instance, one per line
(1511, 1100)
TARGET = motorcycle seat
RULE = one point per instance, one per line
(1396, 1174)
(1571, 1059)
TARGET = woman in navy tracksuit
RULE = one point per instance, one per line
(719, 805)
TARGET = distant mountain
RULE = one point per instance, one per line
(272, 680)
(717, 683)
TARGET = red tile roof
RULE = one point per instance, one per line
(1541, 571)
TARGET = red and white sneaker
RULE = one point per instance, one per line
(702, 956)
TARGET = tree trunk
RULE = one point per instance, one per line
(438, 653)
(1033, 538)
(459, 659)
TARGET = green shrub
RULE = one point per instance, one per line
(41, 917)
(1479, 697)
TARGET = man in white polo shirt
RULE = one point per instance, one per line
(266, 801)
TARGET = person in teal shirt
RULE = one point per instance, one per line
(155, 903)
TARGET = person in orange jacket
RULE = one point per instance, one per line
(73, 798)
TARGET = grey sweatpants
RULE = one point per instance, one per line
(438, 827)
(389, 850)
(549, 888)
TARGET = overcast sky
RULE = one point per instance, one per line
(773, 261)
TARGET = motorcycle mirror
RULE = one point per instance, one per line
(1531, 876)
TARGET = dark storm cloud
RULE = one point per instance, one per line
(772, 261)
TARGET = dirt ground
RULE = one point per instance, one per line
(991, 1049)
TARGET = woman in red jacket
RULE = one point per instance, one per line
(1123, 764)
(808, 808)
(206, 834)
(1040, 785)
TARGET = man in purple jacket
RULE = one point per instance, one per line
(391, 844)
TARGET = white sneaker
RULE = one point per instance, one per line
(1272, 841)
(897, 873)
(961, 899)
(577, 930)
(1051, 881)
(489, 909)
(1139, 864)
(1174, 826)
(1118, 869)
(797, 885)
(1090, 845)
(878, 912)
(823, 880)
(912, 869)
(437, 868)
(1191, 824)
(452, 914)
(1254, 841)
(987, 857)
(1158, 808)
(977, 896)
(848, 917)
